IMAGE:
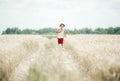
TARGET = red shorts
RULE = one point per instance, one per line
(60, 40)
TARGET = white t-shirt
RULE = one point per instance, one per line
(61, 34)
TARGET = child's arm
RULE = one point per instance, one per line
(58, 31)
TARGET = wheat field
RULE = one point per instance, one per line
(40, 58)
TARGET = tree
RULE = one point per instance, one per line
(50, 31)
(110, 30)
(117, 30)
(100, 31)
(26, 31)
(86, 31)
(8, 31)
(14, 30)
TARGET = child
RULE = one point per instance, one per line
(60, 34)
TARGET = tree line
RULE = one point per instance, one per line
(109, 30)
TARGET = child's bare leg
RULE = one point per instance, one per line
(62, 45)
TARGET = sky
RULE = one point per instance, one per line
(36, 14)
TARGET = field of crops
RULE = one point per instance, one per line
(40, 58)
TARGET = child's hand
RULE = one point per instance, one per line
(58, 31)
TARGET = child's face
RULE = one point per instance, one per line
(62, 26)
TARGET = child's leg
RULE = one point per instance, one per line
(62, 41)
(62, 45)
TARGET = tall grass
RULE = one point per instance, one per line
(84, 58)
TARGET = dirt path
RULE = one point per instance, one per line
(66, 58)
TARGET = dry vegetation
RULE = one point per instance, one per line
(39, 58)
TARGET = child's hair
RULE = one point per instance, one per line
(62, 24)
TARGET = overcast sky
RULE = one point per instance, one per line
(37, 14)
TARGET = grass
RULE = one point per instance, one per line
(112, 74)
(35, 75)
(3, 76)
(85, 58)
(49, 36)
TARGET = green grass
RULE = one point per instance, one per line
(35, 75)
(3, 76)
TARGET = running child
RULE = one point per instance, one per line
(61, 34)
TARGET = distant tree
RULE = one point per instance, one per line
(46, 31)
(110, 30)
(117, 30)
(86, 31)
(76, 31)
(68, 31)
(8, 31)
(14, 30)
(26, 31)
(100, 31)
